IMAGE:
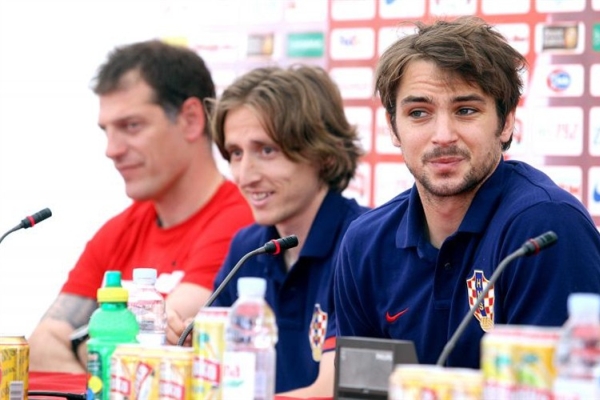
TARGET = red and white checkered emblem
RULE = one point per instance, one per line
(317, 331)
(485, 314)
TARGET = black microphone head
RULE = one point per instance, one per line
(39, 216)
(276, 246)
(535, 245)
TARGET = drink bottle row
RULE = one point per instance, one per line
(232, 358)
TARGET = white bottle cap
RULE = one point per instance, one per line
(250, 286)
(144, 276)
(584, 304)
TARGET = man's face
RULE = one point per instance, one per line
(147, 148)
(279, 191)
(448, 131)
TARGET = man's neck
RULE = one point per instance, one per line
(443, 216)
(187, 198)
(300, 226)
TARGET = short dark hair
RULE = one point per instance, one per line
(466, 47)
(175, 73)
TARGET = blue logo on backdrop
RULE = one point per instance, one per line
(559, 80)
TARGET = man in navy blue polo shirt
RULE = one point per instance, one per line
(292, 152)
(412, 268)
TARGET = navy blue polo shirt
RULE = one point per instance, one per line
(302, 298)
(390, 282)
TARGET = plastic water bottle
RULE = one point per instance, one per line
(577, 355)
(251, 335)
(110, 325)
(148, 305)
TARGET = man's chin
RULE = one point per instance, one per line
(137, 195)
(262, 219)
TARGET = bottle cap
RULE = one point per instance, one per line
(584, 304)
(144, 276)
(113, 291)
(250, 286)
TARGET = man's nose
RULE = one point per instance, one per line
(246, 171)
(115, 145)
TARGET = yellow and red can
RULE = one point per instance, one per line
(517, 361)
(14, 367)
(147, 372)
(416, 382)
(208, 348)
(176, 374)
(123, 364)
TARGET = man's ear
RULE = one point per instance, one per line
(509, 127)
(194, 119)
(392, 128)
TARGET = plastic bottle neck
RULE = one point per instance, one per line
(110, 306)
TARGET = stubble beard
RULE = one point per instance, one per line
(471, 181)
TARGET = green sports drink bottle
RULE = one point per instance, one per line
(110, 325)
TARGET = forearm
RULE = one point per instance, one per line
(323, 385)
(50, 348)
(50, 342)
(183, 303)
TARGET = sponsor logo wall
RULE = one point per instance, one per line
(558, 119)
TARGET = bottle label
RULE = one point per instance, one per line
(239, 373)
(94, 369)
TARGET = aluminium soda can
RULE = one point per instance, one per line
(418, 381)
(175, 381)
(123, 363)
(14, 367)
(208, 341)
(517, 361)
(147, 372)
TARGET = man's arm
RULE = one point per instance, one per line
(183, 303)
(323, 385)
(50, 343)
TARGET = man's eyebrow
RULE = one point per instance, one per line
(416, 99)
(468, 97)
(429, 100)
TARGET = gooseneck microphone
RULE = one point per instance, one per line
(529, 248)
(273, 247)
(30, 221)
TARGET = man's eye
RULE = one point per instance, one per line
(466, 111)
(131, 126)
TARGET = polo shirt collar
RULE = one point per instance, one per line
(324, 229)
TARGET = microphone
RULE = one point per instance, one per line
(273, 247)
(30, 221)
(529, 248)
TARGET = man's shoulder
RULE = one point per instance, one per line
(529, 185)
(138, 215)
(394, 206)
(254, 233)
(136, 211)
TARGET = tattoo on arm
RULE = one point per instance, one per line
(76, 310)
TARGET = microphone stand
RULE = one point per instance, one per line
(271, 247)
